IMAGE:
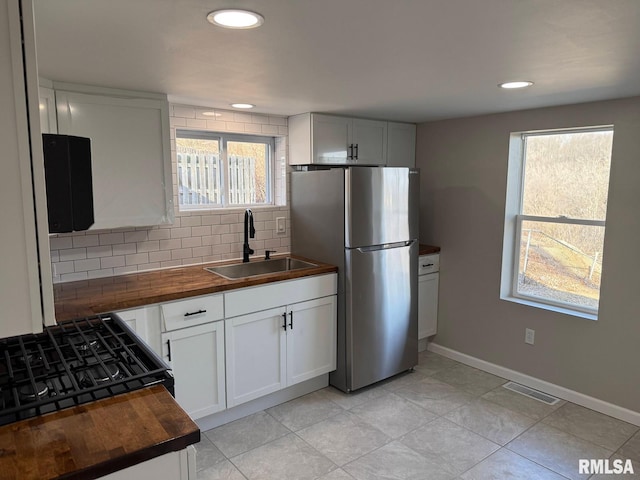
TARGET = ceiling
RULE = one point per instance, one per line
(411, 60)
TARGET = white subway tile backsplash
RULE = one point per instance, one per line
(191, 221)
(124, 249)
(136, 236)
(195, 236)
(59, 243)
(101, 251)
(150, 246)
(158, 234)
(201, 231)
(111, 238)
(72, 254)
(111, 262)
(184, 111)
(181, 253)
(72, 277)
(61, 268)
(159, 256)
(104, 272)
(88, 264)
(136, 258)
(180, 232)
(86, 241)
(191, 242)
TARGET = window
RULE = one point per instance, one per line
(556, 212)
(223, 170)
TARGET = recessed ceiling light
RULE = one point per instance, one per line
(235, 18)
(519, 84)
(211, 114)
(242, 105)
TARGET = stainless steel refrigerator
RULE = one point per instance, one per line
(365, 221)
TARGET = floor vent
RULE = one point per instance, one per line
(530, 392)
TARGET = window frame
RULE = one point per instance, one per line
(518, 218)
(223, 138)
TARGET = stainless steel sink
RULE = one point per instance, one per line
(264, 267)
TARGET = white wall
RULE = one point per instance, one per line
(194, 237)
(463, 166)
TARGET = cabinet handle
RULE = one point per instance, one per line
(356, 151)
(291, 317)
(427, 265)
(188, 314)
(169, 349)
(284, 319)
(350, 156)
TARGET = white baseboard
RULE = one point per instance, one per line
(601, 406)
(262, 403)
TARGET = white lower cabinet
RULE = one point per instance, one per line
(256, 351)
(428, 279)
(311, 339)
(136, 319)
(179, 465)
(279, 347)
(196, 356)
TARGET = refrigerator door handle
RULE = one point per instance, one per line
(385, 246)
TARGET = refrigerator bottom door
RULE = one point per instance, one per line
(381, 312)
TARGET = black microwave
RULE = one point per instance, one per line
(67, 166)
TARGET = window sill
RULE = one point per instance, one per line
(225, 210)
(552, 308)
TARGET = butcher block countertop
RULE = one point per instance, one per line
(427, 249)
(92, 440)
(101, 295)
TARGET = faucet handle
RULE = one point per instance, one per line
(267, 254)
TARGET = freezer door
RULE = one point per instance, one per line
(381, 205)
(381, 312)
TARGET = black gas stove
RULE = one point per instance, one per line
(72, 363)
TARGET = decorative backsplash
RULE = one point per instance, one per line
(194, 237)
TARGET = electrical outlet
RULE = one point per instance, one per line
(281, 225)
(529, 336)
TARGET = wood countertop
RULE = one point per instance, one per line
(92, 440)
(88, 297)
(427, 249)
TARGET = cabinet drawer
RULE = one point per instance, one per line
(194, 311)
(428, 264)
(255, 299)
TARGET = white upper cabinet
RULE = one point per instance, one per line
(26, 292)
(130, 151)
(401, 145)
(331, 140)
(48, 120)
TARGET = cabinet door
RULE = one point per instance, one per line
(311, 339)
(428, 305)
(196, 356)
(129, 156)
(330, 139)
(48, 121)
(136, 319)
(255, 347)
(401, 145)
(370, 136)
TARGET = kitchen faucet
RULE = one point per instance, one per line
(249, 231)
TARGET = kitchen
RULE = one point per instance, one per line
(462, 192)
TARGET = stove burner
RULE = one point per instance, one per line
(28, 395)
(99, 375)
(81, 344)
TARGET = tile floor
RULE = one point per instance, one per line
(443, 421)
